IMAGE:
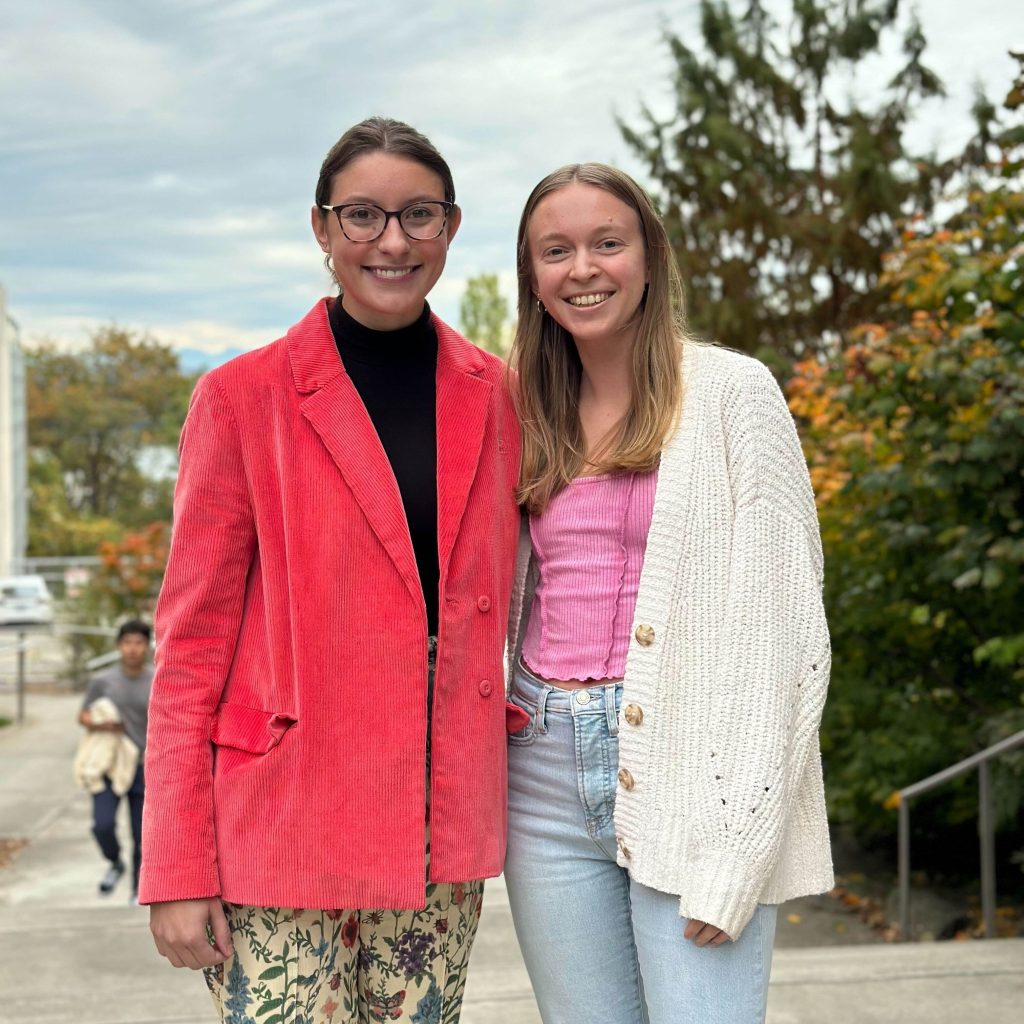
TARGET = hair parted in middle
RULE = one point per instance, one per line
(548, 367)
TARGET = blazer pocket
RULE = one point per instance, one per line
(249, 729)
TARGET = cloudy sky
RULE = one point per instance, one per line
(157, 161)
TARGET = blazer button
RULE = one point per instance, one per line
(644, 634)
(485, 688)
(626, 780)
(634, 714)
(483, 603)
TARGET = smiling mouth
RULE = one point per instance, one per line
(594, 299)
(390, 273)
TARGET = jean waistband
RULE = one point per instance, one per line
(596, 699)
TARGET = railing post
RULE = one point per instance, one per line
(904, 869)
(986, 830)
(77, 658)
(21, 678)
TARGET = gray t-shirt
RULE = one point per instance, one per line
(129, 694)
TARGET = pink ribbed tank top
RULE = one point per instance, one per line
(589, 546)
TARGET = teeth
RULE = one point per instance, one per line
(384, 272)
(589, 300)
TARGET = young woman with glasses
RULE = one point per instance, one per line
(327, 727)
(668, 641)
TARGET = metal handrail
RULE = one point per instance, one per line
(21, 646)
(986, 827)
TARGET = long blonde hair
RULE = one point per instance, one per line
(548, 367)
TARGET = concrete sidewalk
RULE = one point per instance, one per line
(70, 957)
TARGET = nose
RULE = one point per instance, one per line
(582, 264)
(393, 238)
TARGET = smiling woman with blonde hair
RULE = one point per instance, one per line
(668, 644)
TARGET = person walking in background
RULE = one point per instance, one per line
(668, 642)
(333, 619)
(115, 707)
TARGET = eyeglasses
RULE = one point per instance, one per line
(363, 222)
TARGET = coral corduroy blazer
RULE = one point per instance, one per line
(287, 724)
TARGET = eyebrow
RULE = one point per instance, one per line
(376, 202)
(612, 229)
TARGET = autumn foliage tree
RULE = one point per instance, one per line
(92, 414)
(127, 581)
(915, 437)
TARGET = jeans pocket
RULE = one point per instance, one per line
(528, 733)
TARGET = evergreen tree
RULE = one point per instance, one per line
(781, 187)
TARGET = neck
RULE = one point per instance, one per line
(381, 322)
(607, 379)
(606, 392)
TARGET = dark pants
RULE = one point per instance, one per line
(104, 816)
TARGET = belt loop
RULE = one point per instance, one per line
(542, 706)
(609, 709)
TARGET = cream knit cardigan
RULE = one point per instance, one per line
(727, 808)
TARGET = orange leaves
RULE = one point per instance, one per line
(131, 569)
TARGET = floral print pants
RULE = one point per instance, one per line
(349, 966)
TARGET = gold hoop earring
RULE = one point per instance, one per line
(540, 307)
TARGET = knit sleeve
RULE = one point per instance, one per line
(198, 617)
(776, 659)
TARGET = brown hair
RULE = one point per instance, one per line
(548, 365)
(380, 134)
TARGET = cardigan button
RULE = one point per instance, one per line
(644, 634)
(485, 688)
(623, 847)
(634, 714)
(483, 603)
(626, 780)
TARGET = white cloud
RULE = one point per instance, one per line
(158, 165)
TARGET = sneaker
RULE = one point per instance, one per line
(109, 881)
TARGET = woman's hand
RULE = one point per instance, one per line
(182, 930)
(703, 934)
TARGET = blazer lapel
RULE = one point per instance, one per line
(336, 412)
(463, 399)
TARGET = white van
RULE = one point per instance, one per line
(25, 601)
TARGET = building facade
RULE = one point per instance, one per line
(13, 447)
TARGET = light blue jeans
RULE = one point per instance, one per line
(599, 946)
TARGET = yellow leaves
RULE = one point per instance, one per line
(794, 918)
(827, 482)
(892, 801)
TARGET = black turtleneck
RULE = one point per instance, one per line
(394, 373)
